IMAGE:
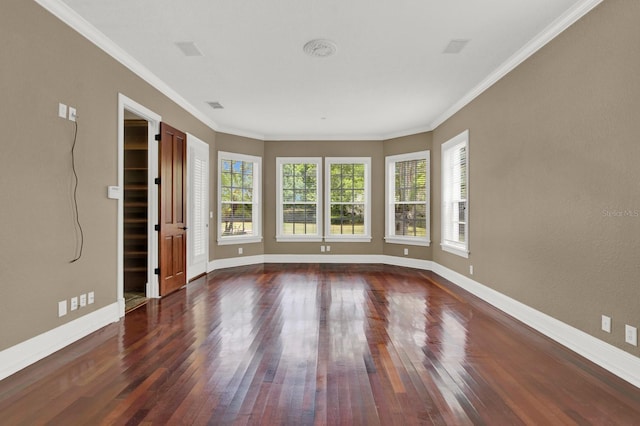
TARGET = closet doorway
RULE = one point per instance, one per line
(137, 204)
(136, 210)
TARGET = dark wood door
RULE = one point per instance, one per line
(172, 212)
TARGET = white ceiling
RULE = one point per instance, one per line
(388, 78)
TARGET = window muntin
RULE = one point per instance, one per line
(298, 199)
(408, 219)
(348, 208)
(238, 198)
(455, 195)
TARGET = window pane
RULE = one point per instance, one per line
(299, 219)
(287, 195)
(410, 220)
(410, 180)
(347, 219)
(236, 219)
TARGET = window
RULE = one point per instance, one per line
(348, 207)
(407, 213)
(238, 198)
(299, 186)
(455, 195)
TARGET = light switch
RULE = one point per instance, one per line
(113, 192)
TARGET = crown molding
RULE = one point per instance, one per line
(67, 15)
(84, 28)
(545, 36)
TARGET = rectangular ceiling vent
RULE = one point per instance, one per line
(456, 46)
(215, 105)
(188, 48)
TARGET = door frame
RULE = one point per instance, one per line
(194, 143)
(153, 119)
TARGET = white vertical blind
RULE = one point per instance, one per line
(455, 211)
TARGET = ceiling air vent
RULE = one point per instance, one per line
(188, 48)
(456, 46)
(215, 105)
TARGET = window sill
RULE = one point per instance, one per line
(289, 239)
(238, 240)
(407, 241)
(455, 250)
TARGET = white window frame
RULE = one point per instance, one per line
(256, 235)
(280, 236)
(366, 237)
(446, 219)
(390, 229)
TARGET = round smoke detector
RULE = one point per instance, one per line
(320, 48)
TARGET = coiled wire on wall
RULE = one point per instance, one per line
(80, 246)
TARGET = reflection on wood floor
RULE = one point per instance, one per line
(317, 344)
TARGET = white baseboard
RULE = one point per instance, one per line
(233, 262)
(22, 355)
(617, 361)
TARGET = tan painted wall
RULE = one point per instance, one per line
(238, 145)
(403, 145)
(554, 146)
(44, 62)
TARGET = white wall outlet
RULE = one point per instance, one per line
(406, 252)
(72, 114)
(62, 111)
(74, 303)
(328, 248)
(83, 300)
(240, 250)
(470, 269)
(631, 335)
(606, 324)
(91, 297)
(321, 249)
(62, 308)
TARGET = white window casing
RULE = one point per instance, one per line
(347, 199)
(408, 195)
(299, 199)
(455, 195)
(239, 198)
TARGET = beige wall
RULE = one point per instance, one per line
(44, 62)
(553, 146)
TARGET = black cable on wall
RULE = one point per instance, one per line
(75, 194)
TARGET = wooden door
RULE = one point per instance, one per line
(172, 243)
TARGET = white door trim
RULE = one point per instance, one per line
(194, 145)
(152, 290)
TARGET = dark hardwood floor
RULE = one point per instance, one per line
(317, 344)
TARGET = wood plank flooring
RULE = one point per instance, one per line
(317, 344)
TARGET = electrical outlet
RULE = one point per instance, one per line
(470, 269)
(91, 297)
(606, 324)
(74, 303)
(328, 248)
(62, 308)
(406, 252)
(240, 250)
(62, 111)
(631, 335)
(72, 114)
(83, 300)
(321, 249)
